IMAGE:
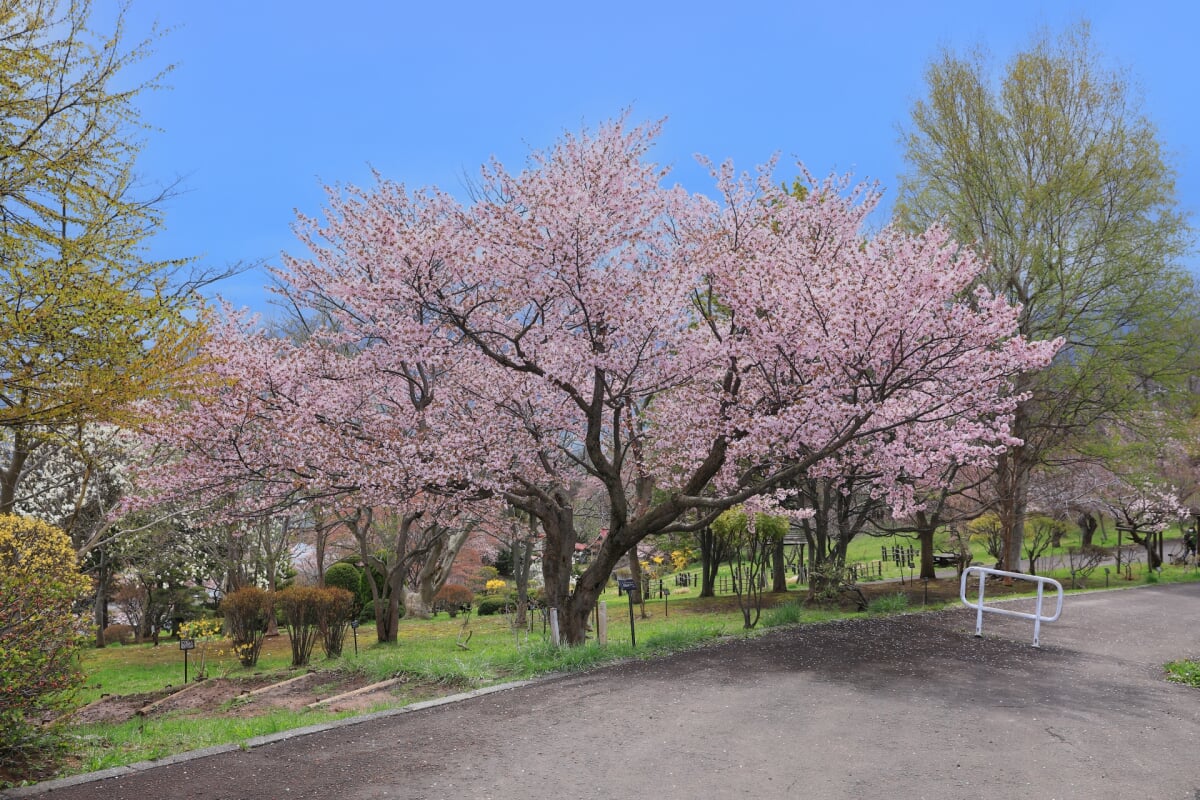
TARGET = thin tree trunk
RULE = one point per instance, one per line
(778, 568)
(1012, 490)
(22, 448)
(710, 562)
(522, 554)
(635, 572)
(101, 609)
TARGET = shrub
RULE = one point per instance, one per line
(247, 612)
(335, 608)
(888, 604)
(344, 575)
(39, 584)
(786, 614)
(493, 605)
(203, 632)
(496, 585)
(298, 606)
(478, 581)
(453, 598)
(118, 634)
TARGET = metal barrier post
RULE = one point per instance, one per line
(979, 613)
(1038, 616)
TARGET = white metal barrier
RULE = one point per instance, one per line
(1036, 616)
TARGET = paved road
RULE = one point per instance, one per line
(900, 707)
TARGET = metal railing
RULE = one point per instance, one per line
(1037, 616)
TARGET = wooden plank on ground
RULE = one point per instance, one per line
(374, 687)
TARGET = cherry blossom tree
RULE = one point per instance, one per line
(580, 320)
(581, 324)
(308, 424)
(1144, 511)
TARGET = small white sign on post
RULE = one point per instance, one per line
(554, 626)
(602, 633)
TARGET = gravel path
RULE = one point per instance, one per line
(899, 707)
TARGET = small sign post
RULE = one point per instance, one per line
(185, 645)
(354, 628)
(627, 585)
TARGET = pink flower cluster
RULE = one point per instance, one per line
(580, 320)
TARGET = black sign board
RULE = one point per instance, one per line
(187, 644)
(626, 584)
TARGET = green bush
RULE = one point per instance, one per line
(494, 605)
(344, 575)
(247, 612)
(504, 563)
(39, 585)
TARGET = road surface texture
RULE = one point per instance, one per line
(900, 707)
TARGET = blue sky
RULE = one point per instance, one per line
(270, 100)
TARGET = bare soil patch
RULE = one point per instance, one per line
(231, 697)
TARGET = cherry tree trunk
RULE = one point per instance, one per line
(711, 551)
(925, 538)
(558, 553)
(1087, 529)
(387, 614)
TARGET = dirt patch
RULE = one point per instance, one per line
(232, 697)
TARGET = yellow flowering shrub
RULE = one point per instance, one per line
(204, 632)
(681, 558)
(39, 636)
(495, 585)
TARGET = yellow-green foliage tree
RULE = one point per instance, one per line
(87, 323)
(749, 548)
(39, 584)
(1052, 172)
